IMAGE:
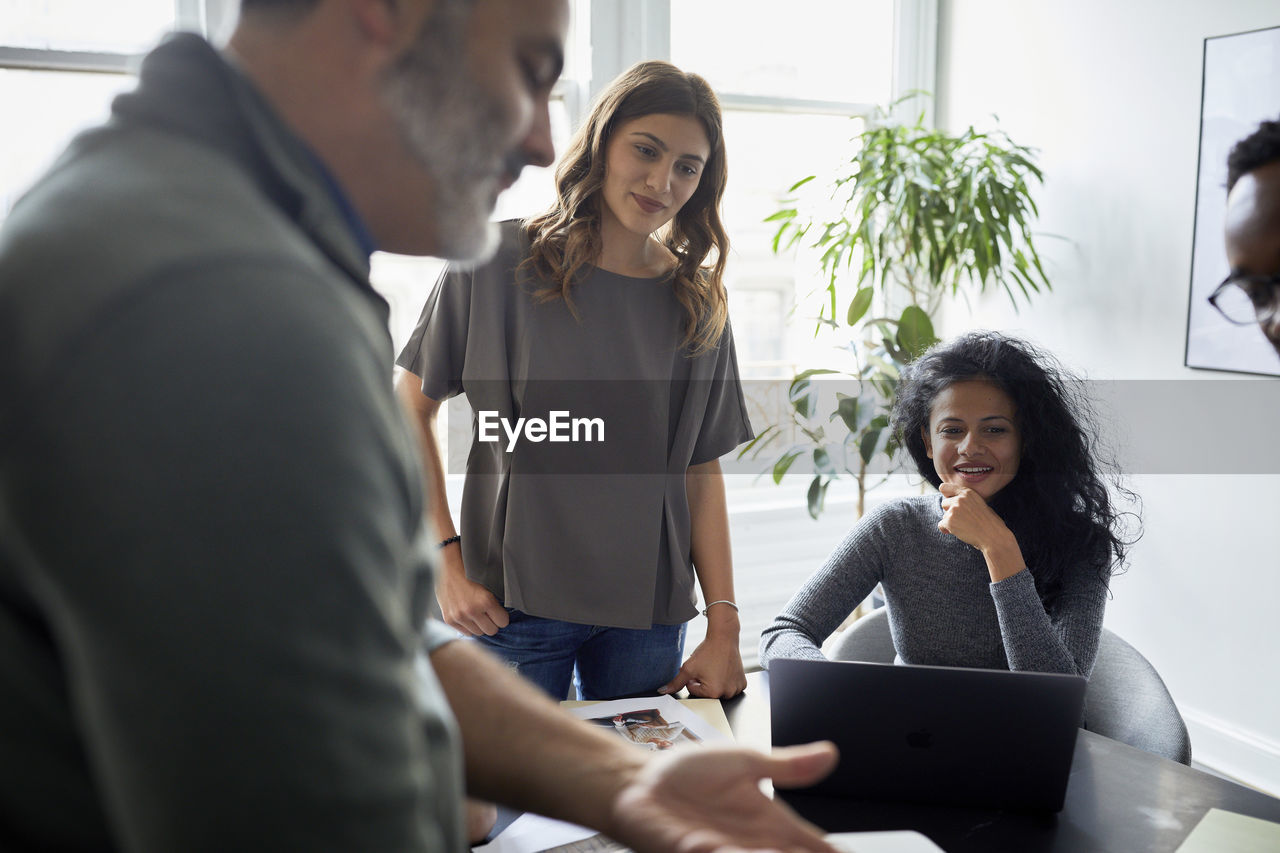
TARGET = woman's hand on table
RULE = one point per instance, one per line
(714, 670)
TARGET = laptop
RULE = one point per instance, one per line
(932, 734)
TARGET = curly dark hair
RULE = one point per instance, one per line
(1255, 150)
(1059, 505)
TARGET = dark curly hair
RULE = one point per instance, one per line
(1254, 151)
(1058, 506)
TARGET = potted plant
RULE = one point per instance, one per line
(914, 216)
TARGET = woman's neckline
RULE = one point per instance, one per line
(645, 278)
(625, 260)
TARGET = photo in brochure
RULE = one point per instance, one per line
(647, 728)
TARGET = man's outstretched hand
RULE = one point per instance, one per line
(709, 799)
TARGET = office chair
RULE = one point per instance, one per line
(1126, 699)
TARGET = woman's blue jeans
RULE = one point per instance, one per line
(609, 662)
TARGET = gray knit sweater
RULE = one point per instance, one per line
(943, 608)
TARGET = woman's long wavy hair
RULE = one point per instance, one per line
(1059, 505)
(566, 239)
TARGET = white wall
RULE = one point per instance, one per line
(1109, 91)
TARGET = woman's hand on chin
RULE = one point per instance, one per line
(966, 516)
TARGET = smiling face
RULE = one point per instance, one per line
(973, 436)
(653, 165)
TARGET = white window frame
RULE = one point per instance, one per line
(624, 32)
(203, 16)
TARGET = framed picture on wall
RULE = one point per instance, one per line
(1241, 89)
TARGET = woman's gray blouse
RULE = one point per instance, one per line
(589, 521)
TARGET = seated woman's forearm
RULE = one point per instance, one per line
(1033, 641)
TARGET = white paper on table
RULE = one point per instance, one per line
(668, 706)
(898, 841)
(531, 832)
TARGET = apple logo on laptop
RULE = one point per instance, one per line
(921, 739)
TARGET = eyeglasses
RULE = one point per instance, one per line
(1247, 299)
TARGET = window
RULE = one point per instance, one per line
(835, 51)
(789, 78)
(78, 55)
(83, 99)
(87, 26)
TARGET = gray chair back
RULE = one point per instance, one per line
(1126, 699)
(867, 639)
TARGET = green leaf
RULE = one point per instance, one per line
(915, 331)
(847, 410)
(815, 436)
(859, 304)
(867, 446)
(817, 496)
(801, 395)
(816, 371)
(780, 467)
(802, 399)
(822, 461)
(894, 352)
(762, 440)
(798, 184)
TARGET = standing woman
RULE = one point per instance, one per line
(1006, 568)
(608, 311)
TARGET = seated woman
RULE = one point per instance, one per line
(1009, 566)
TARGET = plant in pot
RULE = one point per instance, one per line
(916, 215)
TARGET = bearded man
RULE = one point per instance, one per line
(214, 576)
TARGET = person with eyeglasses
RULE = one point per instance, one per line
(1251, 293)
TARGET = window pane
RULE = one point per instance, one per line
(767, 153)
(117, 26)
(825, 50)
(405, 282)
(82, 100)
(577, 51)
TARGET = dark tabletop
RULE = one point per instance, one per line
(1119, 800)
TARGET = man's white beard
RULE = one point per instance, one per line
(454, 128)
(463, 229)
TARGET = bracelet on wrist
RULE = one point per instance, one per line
(721, 601)
(447, 542)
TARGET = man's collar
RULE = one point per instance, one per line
(354, 221)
